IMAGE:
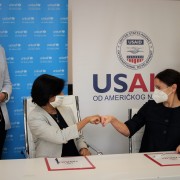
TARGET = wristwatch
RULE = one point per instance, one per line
(6, 95)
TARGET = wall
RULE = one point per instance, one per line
(103, 76)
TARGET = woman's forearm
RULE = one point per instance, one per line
(82, 123)
(120, 127)
(90, 119)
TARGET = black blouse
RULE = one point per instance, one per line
(162, 127)
(68, 149)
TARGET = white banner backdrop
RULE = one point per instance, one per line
(118, 46)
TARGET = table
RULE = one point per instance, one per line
(108, 167)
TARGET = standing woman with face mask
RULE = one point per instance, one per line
(161, 116)
(54, 128)
(5, 92)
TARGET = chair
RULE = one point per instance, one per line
(69, 100)
(28, 106)
(135, 140)
(73, 102)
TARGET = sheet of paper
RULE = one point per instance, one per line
(165, 158)
(68, 163)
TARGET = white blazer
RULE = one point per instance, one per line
(5, 85)
(47, 135)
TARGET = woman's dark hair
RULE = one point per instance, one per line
(170, 77)
(45, 87)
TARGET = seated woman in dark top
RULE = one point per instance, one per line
(53, 126)
(161, 116)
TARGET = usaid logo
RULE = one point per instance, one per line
(135, 50)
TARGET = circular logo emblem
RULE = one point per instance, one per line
(135, 50)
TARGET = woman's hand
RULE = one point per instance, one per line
(178, 149)
(106, 119)
(96, 119)
(90, 119)
(84, 152)
(2, 96)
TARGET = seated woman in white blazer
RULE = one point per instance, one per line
(54, 128)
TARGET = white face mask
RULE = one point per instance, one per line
(159, 96)
(57, 102)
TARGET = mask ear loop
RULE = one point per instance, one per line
(170, 92)
(51, 98)
(165, 89)
(174, 88)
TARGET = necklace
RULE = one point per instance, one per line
(49, 109)
(57, 118)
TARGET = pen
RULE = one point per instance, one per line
(57, 161)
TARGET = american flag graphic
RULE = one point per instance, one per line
(135, 59)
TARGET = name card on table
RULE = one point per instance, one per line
(68, 163)
(165, 158)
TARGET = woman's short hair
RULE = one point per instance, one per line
(44, 87)
(170, 77)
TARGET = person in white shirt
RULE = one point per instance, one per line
(53, 126)
(5, 92)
